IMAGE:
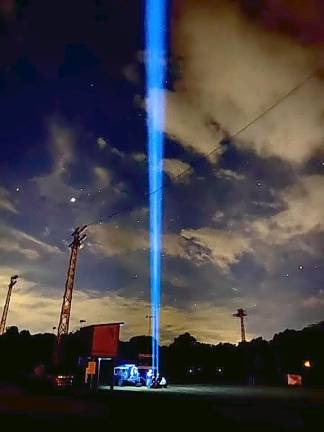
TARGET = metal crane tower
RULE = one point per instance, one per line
(13, 281)
(241, 313)
(78, 237)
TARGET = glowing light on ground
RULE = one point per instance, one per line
(155, 21)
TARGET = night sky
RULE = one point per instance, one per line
(242, 228)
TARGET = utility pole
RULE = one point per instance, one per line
(241, 313)
(149, 318)
(78, 237)
(13, 281)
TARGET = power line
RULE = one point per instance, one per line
(276, 103)
(216, 149)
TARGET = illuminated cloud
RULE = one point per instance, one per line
(98, 308)
(222, 248)
(117, 152)
(102, 143)
(229, 174)
(9, 245)
(61, 143)
(6, 273)
(102, 177)
(53, 187)
(187, 123)
(6, 202)
(218, 216)
(138, 156)
(314, 302)
(204, 245)
(175, 168)
(13, 240)
(233, 68)
(208, 322)
(109, 240)
(303, 212)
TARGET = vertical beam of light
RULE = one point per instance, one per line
(155, 21)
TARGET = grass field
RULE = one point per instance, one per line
(177, 407)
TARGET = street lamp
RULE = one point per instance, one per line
(307, 364)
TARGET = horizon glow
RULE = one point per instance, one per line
(155, 26)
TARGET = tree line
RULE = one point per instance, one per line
(185, 360)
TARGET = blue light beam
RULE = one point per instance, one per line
(155, 21)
